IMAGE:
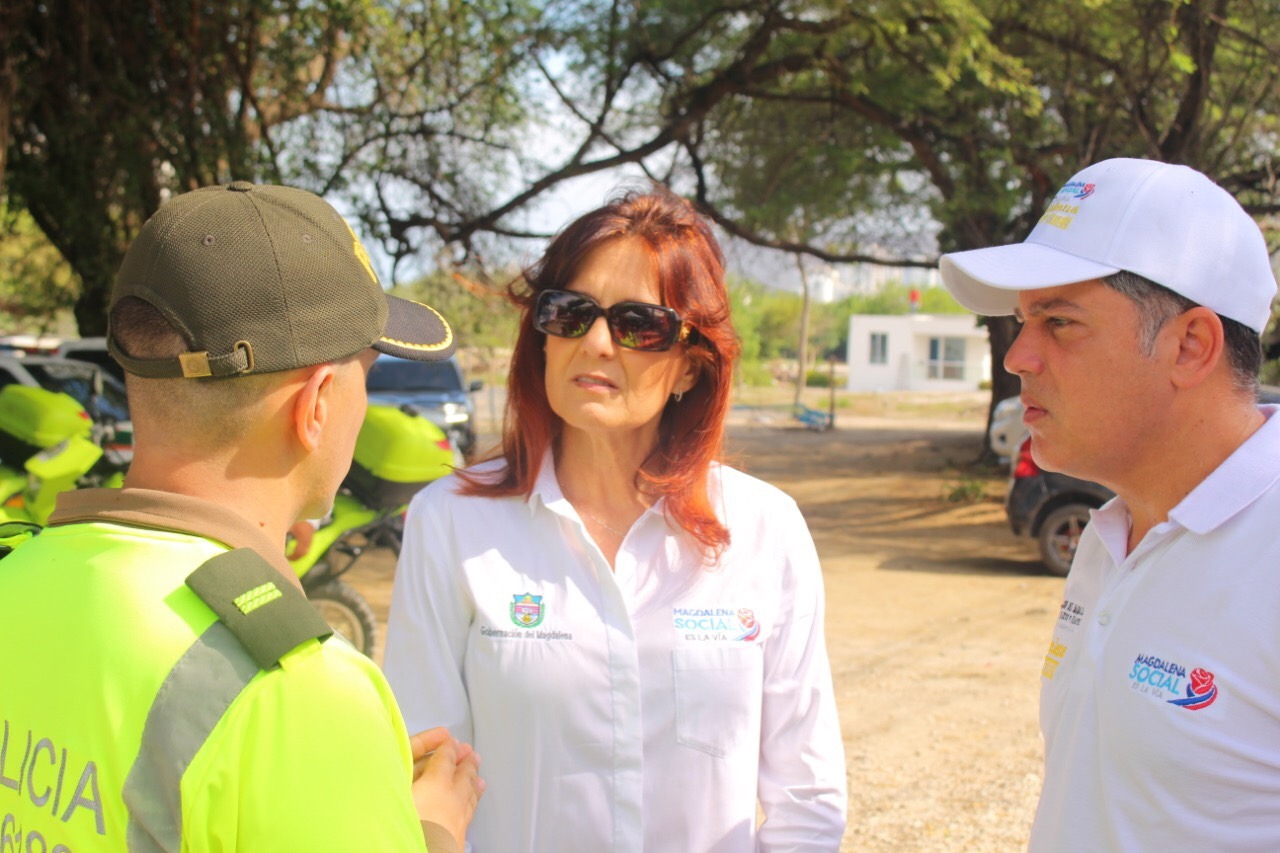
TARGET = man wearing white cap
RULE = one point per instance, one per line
(1142, 294)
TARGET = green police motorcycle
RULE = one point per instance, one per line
(49, 444)
(397, 452)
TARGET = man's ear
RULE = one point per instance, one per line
(1200, 342)
(312, 407)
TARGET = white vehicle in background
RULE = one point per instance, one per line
(92, 350)
(1007, 429)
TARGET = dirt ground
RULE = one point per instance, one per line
(937, 620)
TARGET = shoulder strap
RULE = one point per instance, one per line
(14, 533)
(269, 616)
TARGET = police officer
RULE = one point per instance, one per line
(164, 685)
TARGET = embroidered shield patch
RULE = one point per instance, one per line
(526, 610)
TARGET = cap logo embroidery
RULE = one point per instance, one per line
(361, 255)
(1078, 190)
(1062, 212)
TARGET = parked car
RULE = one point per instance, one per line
(20, 345)
(1050, 507)
(437, 389)
(101, 394)
(1054, 508)
(92, 350)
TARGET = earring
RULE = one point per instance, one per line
(679, 395)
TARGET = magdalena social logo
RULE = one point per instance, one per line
(1201, 691)
(1066, 204)
(750, 625)
(1077, 190)
(723, 624)
(1170, 681)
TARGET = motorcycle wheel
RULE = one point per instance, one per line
(347, 612)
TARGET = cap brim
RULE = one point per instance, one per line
(987, 281)
(415, 331)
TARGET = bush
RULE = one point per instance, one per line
(754, 374)
(968, 490)
(817, 379)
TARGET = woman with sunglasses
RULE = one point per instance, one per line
(630, 632)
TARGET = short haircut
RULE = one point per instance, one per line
(218, 410)
(690, 269)
(1158, 305)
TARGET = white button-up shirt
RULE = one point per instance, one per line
(646, 708)
(1160, 693)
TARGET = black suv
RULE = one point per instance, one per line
(436, 389)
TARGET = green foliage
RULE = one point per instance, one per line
(754, 374)
(36, 284)
(938, 300)
(851, 131)
(966, 490)
(818, 379)
(745, 308)
(779, 323)
(123, 104)
(480, 315)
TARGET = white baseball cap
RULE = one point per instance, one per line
(1167, 223)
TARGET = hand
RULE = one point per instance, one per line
(301, 532)
(446, 781)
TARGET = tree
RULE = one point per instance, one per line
(477, 310)
(846, 132)
(890, 132)
(27, 259)
(120, 104)
(978, 111)
(110, 107)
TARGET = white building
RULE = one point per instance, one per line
(917, 352)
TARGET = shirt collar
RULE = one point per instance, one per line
(547, 492)
(158, 510)
(546, 488)
(1240, 480)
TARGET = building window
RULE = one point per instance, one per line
(946, 358)
(879, 348)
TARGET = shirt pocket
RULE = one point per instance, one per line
(718, 693)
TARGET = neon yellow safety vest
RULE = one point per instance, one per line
(132, 718)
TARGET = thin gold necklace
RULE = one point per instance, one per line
(615, 531)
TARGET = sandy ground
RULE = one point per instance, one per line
(937, 620)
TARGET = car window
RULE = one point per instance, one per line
(97, 356)
(77, 381)
(400, 375)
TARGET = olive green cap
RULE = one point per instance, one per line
(262, 278)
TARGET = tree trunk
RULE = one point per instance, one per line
(1001, 331)
(802, 347)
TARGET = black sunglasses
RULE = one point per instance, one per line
(634, 325)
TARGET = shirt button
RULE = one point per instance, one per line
(1104, 618)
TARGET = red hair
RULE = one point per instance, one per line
(690, 267)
